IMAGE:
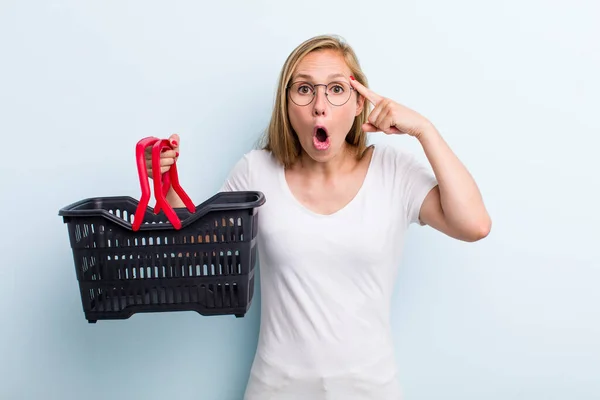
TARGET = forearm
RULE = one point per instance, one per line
(460, 198)
(173, 199)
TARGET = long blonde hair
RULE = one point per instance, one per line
(280, 137)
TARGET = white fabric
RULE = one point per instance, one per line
(327, 281)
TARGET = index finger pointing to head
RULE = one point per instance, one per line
(370, 95)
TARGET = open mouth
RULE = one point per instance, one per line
(321, 134)
(321, 138)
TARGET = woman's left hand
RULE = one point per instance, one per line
(390, 117)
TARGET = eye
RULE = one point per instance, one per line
(337, 89)
(304, 89)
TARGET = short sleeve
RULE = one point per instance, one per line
(416, 179)
(239, 176)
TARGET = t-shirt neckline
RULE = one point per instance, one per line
(355, 199)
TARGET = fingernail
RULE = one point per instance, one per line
(174, 142)
(351, 77)
(176, 154)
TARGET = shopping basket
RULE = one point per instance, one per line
(131, 258)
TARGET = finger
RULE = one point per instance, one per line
(387, 126)
(367, 93)
(164, 154)
(374, 114)
(174, 140)
(392, 129)
(163, 162)
(148, 152)
(162, 171)
(389, 122)
(367, 127)
(380, 108)
(169, 154)
(167, 162)
(383, 120)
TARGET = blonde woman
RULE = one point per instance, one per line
(332, 230)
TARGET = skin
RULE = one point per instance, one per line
(325, 181)
(323, 67)
(455, 206)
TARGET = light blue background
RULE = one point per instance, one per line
(513, 86)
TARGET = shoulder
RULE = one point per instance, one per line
(255, 156)
(259, 155)
(249, 169)
(402, 171)
(257, 160)
(409, 179)
(394, 159)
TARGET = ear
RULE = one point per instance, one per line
(360, 102)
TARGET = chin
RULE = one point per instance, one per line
(322, 155)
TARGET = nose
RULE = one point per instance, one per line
(320, 103)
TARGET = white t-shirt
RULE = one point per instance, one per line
(327, 280)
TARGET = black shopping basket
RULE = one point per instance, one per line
(204, 262)
(206, 266)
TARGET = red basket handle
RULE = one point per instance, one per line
(162, 183)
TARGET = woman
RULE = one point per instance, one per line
(332, 230)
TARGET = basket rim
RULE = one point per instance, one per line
(210, 205)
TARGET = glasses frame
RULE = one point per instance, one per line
(315, 89)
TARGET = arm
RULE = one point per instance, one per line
(454, 207)
(173, 199)
(167, 158)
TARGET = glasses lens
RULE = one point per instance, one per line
(301, 93)
(338, 93)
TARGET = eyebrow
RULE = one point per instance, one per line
(309, 77)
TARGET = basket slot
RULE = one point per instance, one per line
(89, 268)
(118, 298)
(139, 265)
(223, 230)
(221, 295)
(124, 214)
(84, 235)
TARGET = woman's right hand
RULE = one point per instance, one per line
(167, 158)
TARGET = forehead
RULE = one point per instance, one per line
(322, 65)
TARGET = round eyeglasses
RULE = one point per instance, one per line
(303, 93)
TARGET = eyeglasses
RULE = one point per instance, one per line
(303, 93)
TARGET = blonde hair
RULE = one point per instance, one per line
(280, 137)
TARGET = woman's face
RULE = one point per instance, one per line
(323, 67)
